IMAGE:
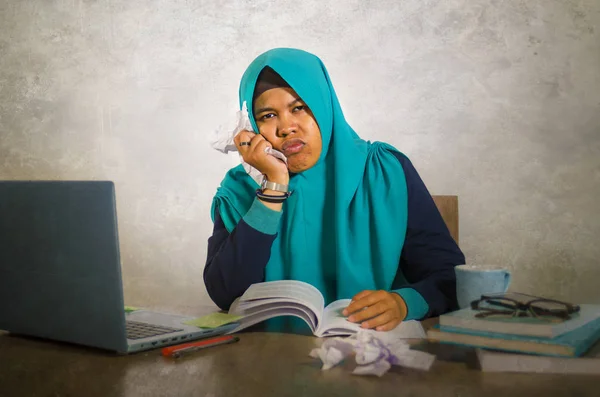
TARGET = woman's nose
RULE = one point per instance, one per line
(287, 125)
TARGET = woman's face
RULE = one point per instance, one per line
(289, 125)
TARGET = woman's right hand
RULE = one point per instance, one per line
(255, 155)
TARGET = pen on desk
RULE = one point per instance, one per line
(186, 348)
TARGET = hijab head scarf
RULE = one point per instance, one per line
(343, 228)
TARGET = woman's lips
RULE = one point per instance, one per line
(292, 147)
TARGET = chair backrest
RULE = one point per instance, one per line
(448, 207)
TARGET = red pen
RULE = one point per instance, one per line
(185, 348)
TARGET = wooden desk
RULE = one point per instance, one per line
(261, 364)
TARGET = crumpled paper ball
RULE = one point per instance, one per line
(373, 355)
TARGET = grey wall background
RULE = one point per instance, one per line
(496, 101)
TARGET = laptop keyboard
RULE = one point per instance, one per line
(137, 330)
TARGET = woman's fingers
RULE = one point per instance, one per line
(384, 318)
(255, 153)
(370, 311)
(361, 295)
(382, 310)
(243, 136)
(258, 144)
(364, 299)
(353, 306)
(252, 147)
(389, 326)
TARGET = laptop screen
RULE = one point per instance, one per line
(60, 273)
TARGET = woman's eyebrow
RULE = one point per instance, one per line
(261, 110)
(267, 109)
(294, 101)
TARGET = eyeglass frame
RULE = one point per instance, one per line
(521, 308)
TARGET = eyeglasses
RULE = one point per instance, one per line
(522, 305)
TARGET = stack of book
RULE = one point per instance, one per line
(542, 346)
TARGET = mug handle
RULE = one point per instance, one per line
(506, 281)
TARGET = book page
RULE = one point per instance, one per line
(262, 316)
(277, 308)
(285, 290)
(334, 322)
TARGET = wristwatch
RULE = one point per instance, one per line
(277, 187)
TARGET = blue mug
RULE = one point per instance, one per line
(472, 281)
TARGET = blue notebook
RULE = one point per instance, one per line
(571, 344)
(527, 326)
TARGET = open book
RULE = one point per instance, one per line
(266, 300)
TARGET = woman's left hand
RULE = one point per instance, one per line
(383, 310)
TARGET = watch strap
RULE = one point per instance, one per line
(277, 187)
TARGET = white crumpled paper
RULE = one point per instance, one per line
(374, 356)
(222, 140)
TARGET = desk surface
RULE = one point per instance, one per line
(261, 364)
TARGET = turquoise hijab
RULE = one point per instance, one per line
(343, 228)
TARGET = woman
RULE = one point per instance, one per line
(359, 222)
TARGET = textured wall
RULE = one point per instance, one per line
(496, 101)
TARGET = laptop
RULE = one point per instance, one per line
(60, 270)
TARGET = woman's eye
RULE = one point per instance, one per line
(267, 116)
(299, 108)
